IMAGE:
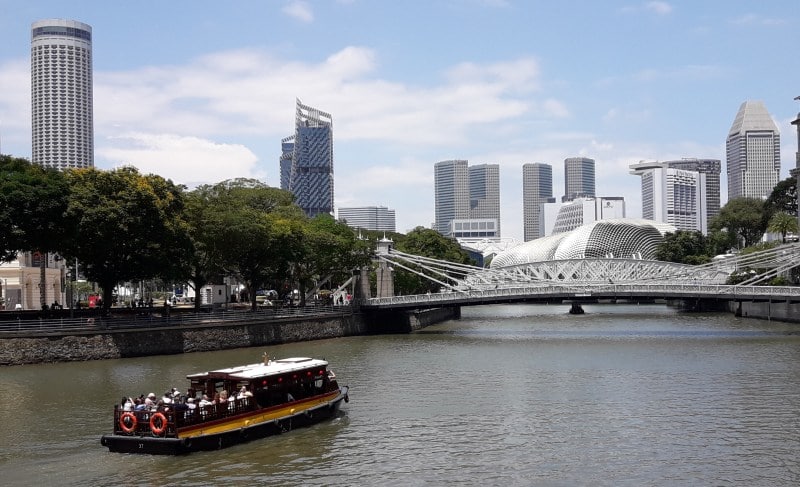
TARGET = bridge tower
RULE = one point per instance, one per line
(384, 272)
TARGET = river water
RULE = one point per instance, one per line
(508, 395)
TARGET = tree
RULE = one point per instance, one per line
(329, 248)
(127, 226)
(33, 202)
(244, 228)
(684, 247)
(783, 198)
(743, 219)
(782, 223)
(428, 243)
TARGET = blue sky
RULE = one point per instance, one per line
(201, 91)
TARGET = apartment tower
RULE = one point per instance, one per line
(467, 199)
(61, 94)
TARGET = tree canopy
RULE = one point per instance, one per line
(742, 218)
(127, 226)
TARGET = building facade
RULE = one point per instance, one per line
(378, 218)
(753, 151)
(310, 176)
(467, 199)
(61, 94)
(684, 193)
(565, 217)
(579, 178)
(537, 189)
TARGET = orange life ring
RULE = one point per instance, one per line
(158, 429)
(123, 422)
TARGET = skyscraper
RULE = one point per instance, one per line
(537, 188)
(579, 179)
(467, 199)
(670, 196)
(61, 94)
(310, 176)
(674, 196)
(753, 151)
(378, 218)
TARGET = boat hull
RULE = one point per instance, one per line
(215, 441)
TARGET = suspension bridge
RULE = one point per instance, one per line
(591, 280)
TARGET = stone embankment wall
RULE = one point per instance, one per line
(765, 310)
(172, 340)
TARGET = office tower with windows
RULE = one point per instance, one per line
(753, 151)
(579, 178)
(667, 193)
(379, 218)
(537, 189)
(61, 94)
(674, 196)
(310, 176)
(467, 199)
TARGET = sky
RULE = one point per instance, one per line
(203, 91)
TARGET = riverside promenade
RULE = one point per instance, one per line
(31, 337)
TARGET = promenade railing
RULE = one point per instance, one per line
(158, 317)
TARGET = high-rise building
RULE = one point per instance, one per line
(310, 176)
(753, 151)
(579, 178)
(670, 195)
(537, 189)
(451, 193)
(674, 196)
(378, 218)
(61, 94)
(796, 170)
(467, 199)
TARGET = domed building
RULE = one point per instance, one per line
(622, 238)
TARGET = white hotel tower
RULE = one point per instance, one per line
(61, 94)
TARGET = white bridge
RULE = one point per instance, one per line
(588, 280)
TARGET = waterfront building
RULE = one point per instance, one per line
(565, 217)
(684, 193)
(310, 176)
(378, 218)
(537, 189)
(579, 178)
(796, 170)
(622, 238)
(61, 94)
(467, 199)
(753, 151)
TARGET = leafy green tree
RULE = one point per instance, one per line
(743, 219)
(33, 201)
(684, 247)
(127, 226)
(244, 228)
(782, 223)
(329, 248)
(783, 198)
(428, 243)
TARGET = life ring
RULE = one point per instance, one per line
(128, 417)
(159, 428)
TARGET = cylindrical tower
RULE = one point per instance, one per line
(61, 94)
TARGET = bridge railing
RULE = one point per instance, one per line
(578, 291)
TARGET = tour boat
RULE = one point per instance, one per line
(268, 398)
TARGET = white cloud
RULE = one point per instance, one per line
(299, 10)
(660, 8)
(186, 160)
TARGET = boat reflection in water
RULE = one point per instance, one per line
(271, 397)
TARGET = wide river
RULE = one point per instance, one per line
(507, 395)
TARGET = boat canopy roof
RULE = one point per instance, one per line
(259, 370)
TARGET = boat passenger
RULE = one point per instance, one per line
(127, 404)
(167, 399)
(205, 401)
(139, 404)
(243, 393)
